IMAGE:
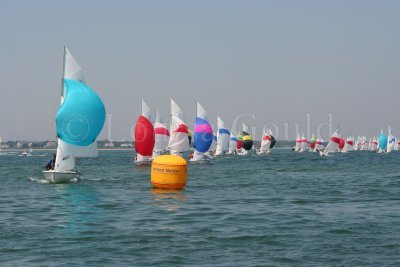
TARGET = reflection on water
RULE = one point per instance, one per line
(170, 200)
(78, 202)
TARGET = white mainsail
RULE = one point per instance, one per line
(373, 144)
(223, 136)
(161, 136)
(176, 111)
(348, 146)
(178, 141)
(298, 144)
(319, 144)
(213, 145)
(303, 143)
(265, 142)
(202, 134)
(391, 141)
(144, 135)
(232, 143)
(333, 144)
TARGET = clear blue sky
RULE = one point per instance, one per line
(276, 59)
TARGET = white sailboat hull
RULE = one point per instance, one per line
(198, 159)
(219, 152)
(60, 176)
(263, 152)
(244, 152)
(147, 161)
(142, 160)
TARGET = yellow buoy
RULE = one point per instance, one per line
(169, 172)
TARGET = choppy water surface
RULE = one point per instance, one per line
(285, 209)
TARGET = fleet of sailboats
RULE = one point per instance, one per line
(81, 115)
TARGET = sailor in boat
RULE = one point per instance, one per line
(50, 165)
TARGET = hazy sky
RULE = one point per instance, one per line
(278, 60)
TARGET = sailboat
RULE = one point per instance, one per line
(161, 136)
(223, 136)
(348, 146)
(232, 144)
(364, 143)
(373, 144)
(357, 144)
(313, 141)
(333, 144)
(397, 145)
(239, 144)
(144, 136)
(266, 143)
(319, 144)
(303, 144)
(203, 134)
(247, 140)
(178, 141)
(79, 121)
(391, 142)
(297, 147)
(382, 142)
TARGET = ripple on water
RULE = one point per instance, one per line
(285, 209)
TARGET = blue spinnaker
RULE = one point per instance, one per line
(382, 141)
(81, 116)
(203, 135)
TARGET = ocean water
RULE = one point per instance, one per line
(285, 209)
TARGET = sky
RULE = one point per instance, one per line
(258, 62)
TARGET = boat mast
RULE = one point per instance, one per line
(63, 75)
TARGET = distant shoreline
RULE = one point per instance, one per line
(53, 149)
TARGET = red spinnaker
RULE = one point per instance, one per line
(144, 136)
(239, 144)
(341, 143)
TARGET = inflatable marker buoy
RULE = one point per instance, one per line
(169, 172)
